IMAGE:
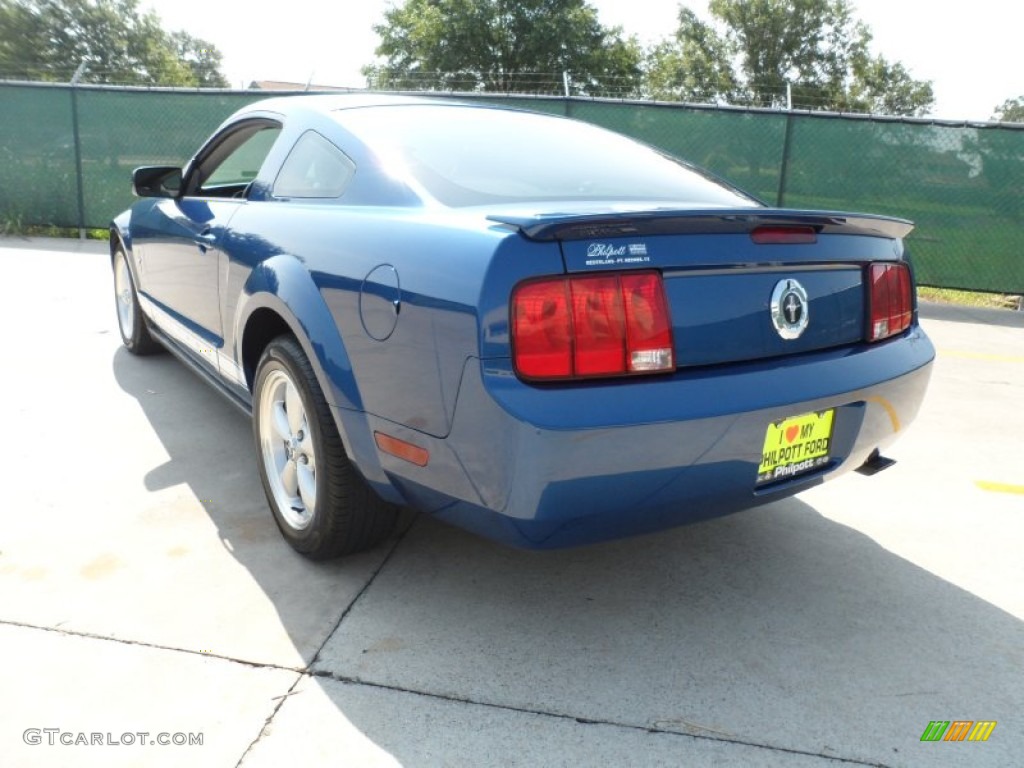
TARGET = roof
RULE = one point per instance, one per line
(330, 102)
(283, 85)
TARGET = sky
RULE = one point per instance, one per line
(968, 57)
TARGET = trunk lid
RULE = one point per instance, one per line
(720, 283)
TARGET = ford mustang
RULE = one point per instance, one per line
(527, 326)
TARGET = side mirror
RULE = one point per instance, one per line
(156, 181)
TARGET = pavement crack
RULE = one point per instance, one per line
(399, 538)
(306, 672)
(58, 630)
(265, 730)
(711, 735)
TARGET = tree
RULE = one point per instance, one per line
(504, 46)
(883, 87)
(1010, 111)
(48, 39)
(754, 50)
(201, 57)
(693, 67)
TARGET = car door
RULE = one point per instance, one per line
(177, 240)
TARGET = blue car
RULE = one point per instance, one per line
(527, 326)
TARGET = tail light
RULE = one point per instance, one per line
(890, 300)
(594, 325)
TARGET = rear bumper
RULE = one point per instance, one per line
(544, 467)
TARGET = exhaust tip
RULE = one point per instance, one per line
(876, 463)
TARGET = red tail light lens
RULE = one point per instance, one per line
(890, 300)
(542, 330)
(595, 325)
(598, 324)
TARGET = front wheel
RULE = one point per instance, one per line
(130, 320)
(322, 505)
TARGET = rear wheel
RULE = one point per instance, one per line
(130, 320)
(322, 505)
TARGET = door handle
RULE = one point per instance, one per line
(205, 240)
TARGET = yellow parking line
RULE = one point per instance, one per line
(988, 485)
(980, 356)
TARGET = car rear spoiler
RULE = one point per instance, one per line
(588, 226)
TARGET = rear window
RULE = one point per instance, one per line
(315, 168)
(464, 156)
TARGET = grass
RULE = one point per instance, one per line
(15, 227)
(968, 298)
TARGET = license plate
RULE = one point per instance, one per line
(795, 446)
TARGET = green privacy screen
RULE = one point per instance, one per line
(37, 158)
(115, 130)
(962, 184)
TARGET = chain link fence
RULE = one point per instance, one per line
(66, 155)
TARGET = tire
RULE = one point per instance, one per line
(130, 320)
(320, 502)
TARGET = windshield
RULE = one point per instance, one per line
(464, 156)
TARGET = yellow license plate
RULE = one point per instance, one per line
(796, 445)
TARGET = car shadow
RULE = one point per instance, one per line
(776, 627)
(207, 445)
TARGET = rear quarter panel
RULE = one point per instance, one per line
(450, 270)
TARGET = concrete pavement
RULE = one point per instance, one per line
(144, 589)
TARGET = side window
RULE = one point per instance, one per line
(315, 168)
(229, 168)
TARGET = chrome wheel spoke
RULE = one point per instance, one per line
(276, 457)
(289, 481)
(280, 421)
(293, 407)
(307, 486)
